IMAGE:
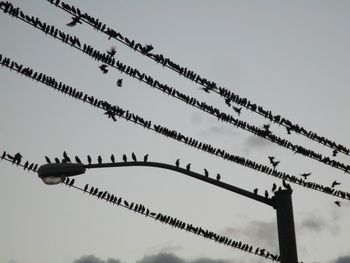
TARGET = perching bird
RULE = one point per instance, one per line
(86, 187)
(274, 187)
(337, 203)
(288, 130)
(238, 110)
(148, 48)
(65, 156)
(103, 68)
(71, 182)
(112, 158)
(75, 20)
(266, 194)
(287, 186)
(47, 159)
(77, 160)
(26, 165)
(206, 173)
(112, 51)
(89, 159)
(188, 167)
(335, 153)
(57, 160)
(305, 175)
(335, 183)
(218, 177)
(125, 159)
(120, 82)
(133, 156)
(145, 158)
(177, 162)
(99, 159)
(255, 191)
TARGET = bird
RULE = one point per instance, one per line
(274, 163)
(266, 194)
(120, 82)
(145, 158)
(286, 185)
(337, 203)
(57, 160)
(335, 183)
(288, 130)
(112, 158)
(89, 159)
(218, 177)
(71, 182)
(206, 173)
(103, 68)
(77, 160)
(86, 187)
(305, 175)
(274, 187)
(75, 20)
(47, 159)
(66, 180)
(18, 158)
(334, 153)
(26, 165)
(125, 158)
(148, 48)
(266, 127)
(112, 51)
(177, 162)
(3, 155)
(99, 159)
(188, 167)
(66, 157)
(133, 156)
(255, 191)
(238, 110)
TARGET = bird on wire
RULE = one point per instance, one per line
(99, 159)
(218, 177)
(133, 156)
(47, 159)
(89, 159)
(66, 157)
(177, 163)
(206, 173)
(255, 191)
(77, 160)
(125, 159)
(145, 158)
(188, 167)
(112, 158)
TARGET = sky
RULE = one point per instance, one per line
(291, 57)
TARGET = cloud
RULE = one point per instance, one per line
(172, 258)
(262, 233)
(93, 259)
(344, 259)
(316, 224)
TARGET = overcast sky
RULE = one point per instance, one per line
(291, 57)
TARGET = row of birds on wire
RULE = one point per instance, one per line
(169, 220)
(264, 132)
(228, 95)
(17, 159)
(112, 111)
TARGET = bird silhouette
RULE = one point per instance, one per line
(177, 162)
(125, 158)
(218, 177)
(305, 175)
(188, 167)
(99, 159)
(335, 183)
(66, 180)
(266, 194)
(26, 165)
(255, 191)
(66, 157)
(334, 153)
(238, 110)
(112, 158)
(3, 155)
(337, 203)
(206, 173)
(103, 68)
(274, 163)
(72, 182)
(112, 51)
(133, 156)
(274, 187)
(89, 159)
(57, 160)
(145, 158)
(75, 20)
(148, 48)
(286, 185)
(47, 159)
(120, 82)
(77, 160)
(86, 187)
(18, 158)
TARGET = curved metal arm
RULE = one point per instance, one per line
(262, 199)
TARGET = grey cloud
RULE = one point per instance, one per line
(93, 259)
(344, 259)
(317, 224)
(172, 258)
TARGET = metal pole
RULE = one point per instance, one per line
(285, 226)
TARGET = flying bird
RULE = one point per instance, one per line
(145, 158)
(188, 167)
(238, 110)
(103, 68)
(112, 51)
(120, 82)
(99, 159)
(206, 173)
(75, 20)
(177, 162)
(218, 177)
(305, 175)
(274, 163)
(335, 183)
(125, 159)
(337, 203)
(133, 156)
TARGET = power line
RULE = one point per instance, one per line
(73, 41)
(208, 85)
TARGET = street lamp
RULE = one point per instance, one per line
(55, 173)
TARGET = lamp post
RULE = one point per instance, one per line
(55, 173)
